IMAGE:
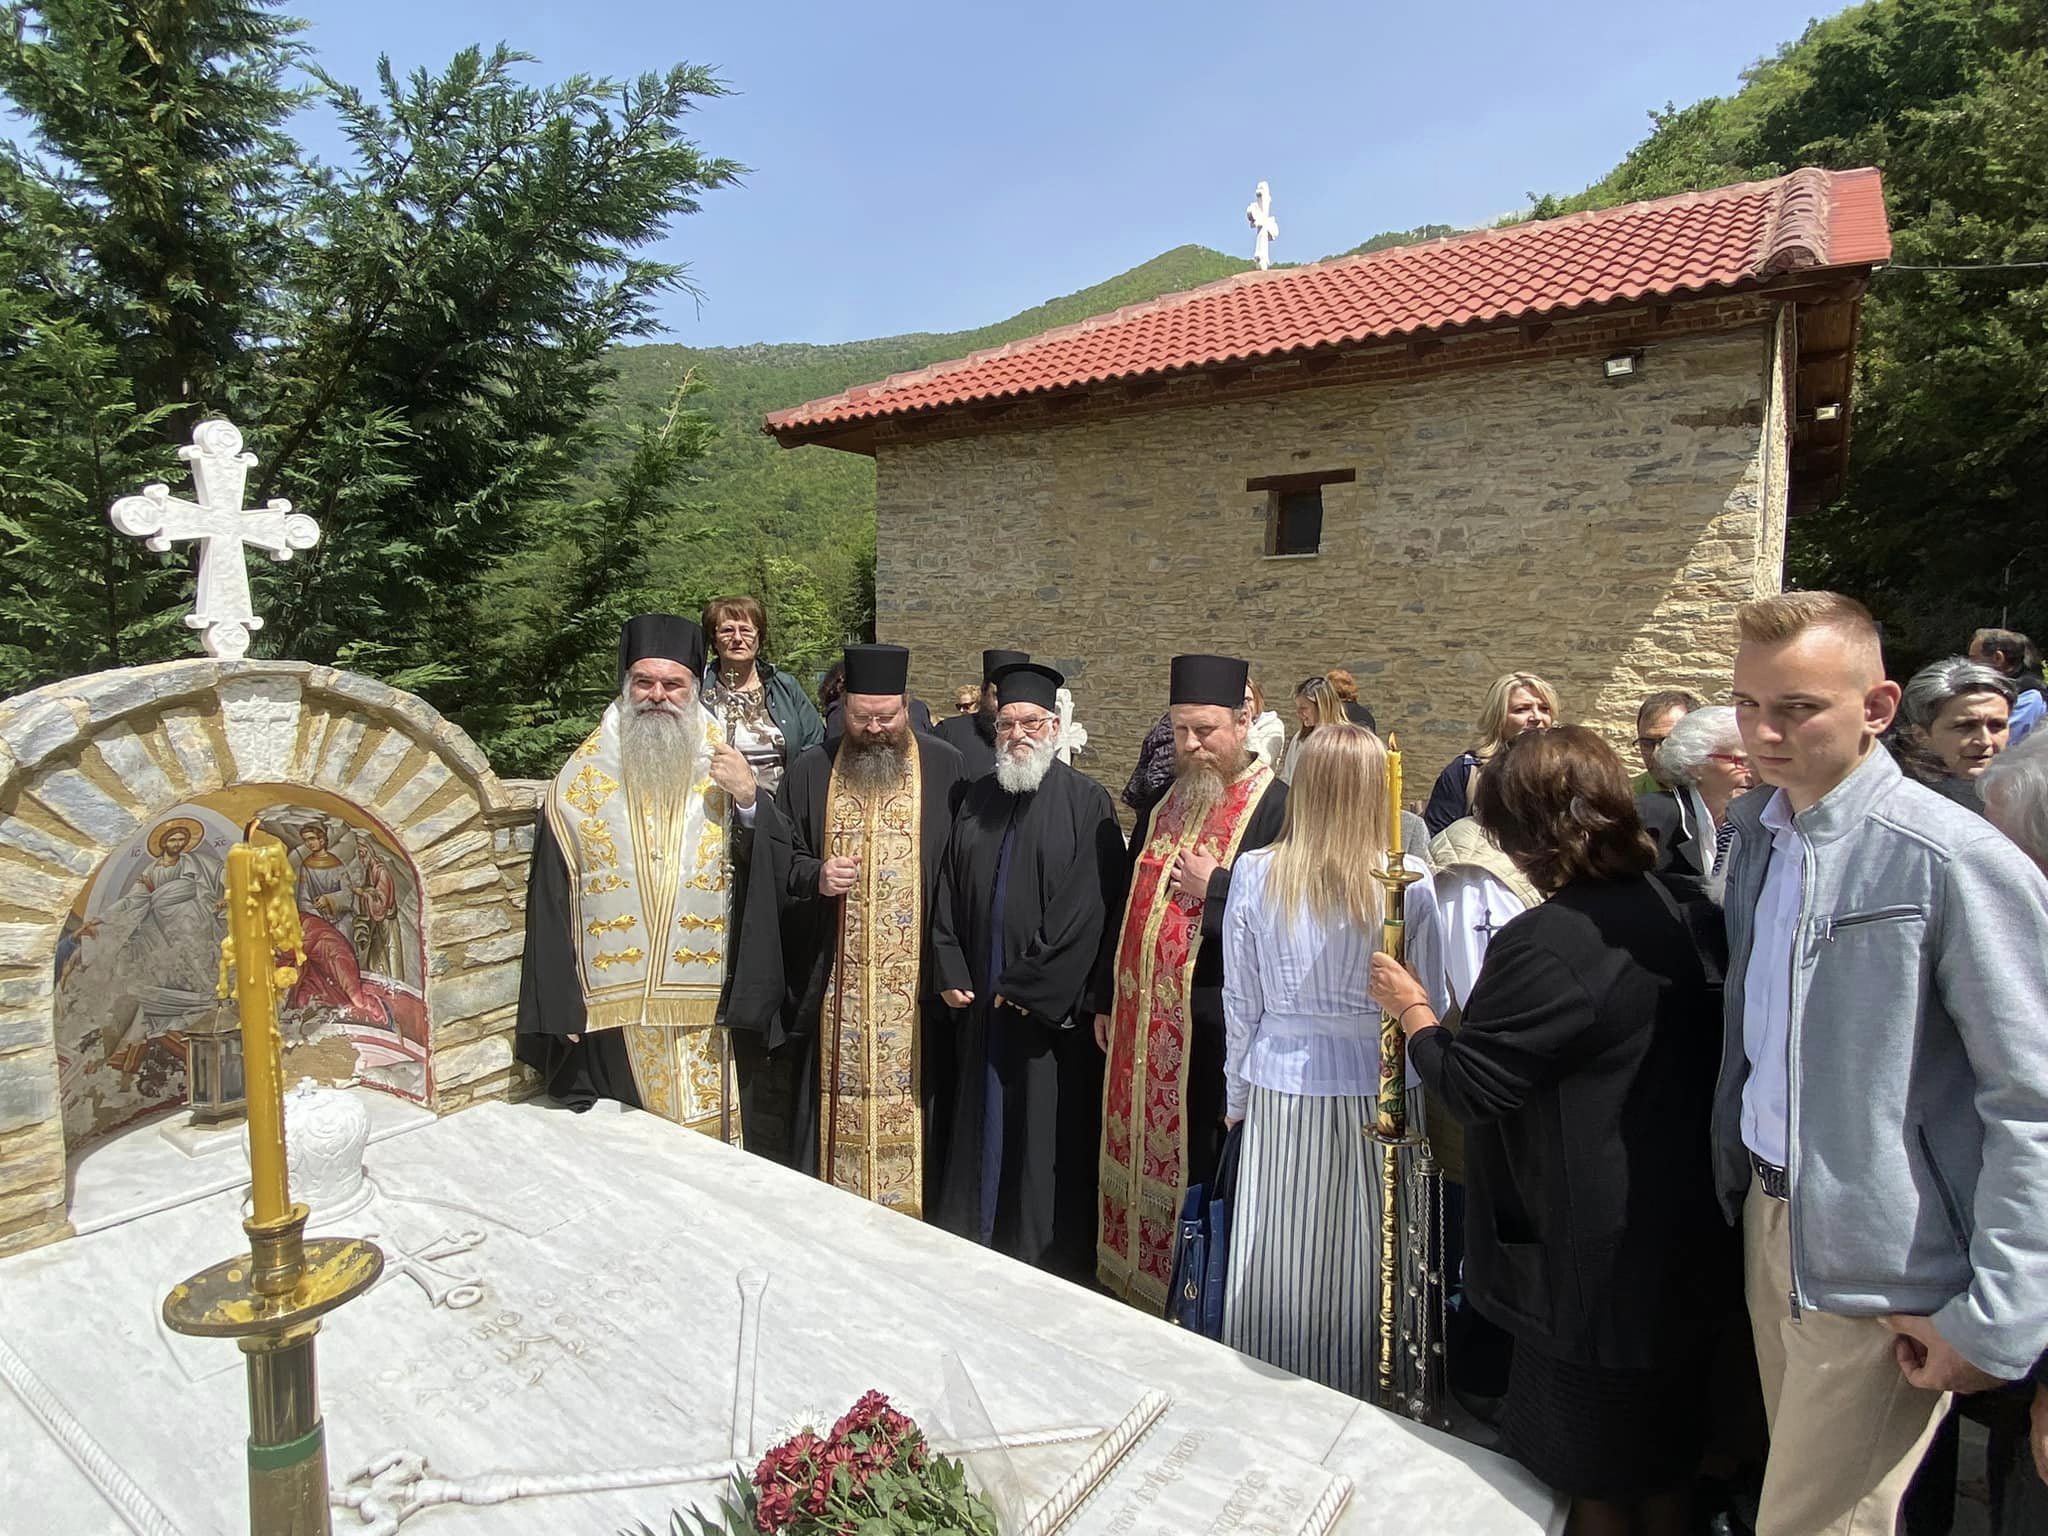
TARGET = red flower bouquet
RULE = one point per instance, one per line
(872, 1475)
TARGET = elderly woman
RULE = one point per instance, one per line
(1517, 702)
(1957, 714)
(764, 711)
(2015, 790)
(1706, 765)
(1583, 1073)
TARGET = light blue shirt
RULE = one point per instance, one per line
(2027, 710)
(1767, 986)
(1296, 1017)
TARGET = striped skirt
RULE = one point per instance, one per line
(1303, 1292)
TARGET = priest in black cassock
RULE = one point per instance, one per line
(974, 736)
(1157, 993)
(868, 815)
(653, 967)
(1023, 895)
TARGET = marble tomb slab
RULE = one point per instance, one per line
(564, 1302)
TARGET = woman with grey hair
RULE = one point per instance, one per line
(1704, 762)
(2015, 791)
(1957, 715)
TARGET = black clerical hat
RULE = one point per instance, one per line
(993, 662)
(663, 635)
(1027, 682)
(1209, 680)
(877, 669)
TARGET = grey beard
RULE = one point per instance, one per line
(661, 749)
(1023, 775)
(867, 769)
(1199, 788)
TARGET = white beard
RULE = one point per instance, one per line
(661, 749)
(1023, 775)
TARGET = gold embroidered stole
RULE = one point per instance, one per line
(868, 1029)
(647, 894)
(642, 881)
(1143, 1168)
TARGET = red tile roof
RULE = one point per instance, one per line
(1699, 243)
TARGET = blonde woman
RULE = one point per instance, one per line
(1316, 702)
(1268, 736)
(1302, 1064)
(1517, 702)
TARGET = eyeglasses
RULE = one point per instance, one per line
(735, 631)
(1649, 743)
(1732, 759)
(1024, 727)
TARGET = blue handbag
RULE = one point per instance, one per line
(1201, 1248)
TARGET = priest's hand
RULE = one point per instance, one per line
(1102, 1033)
(955, 997)
(836, 876)
(729, 771)
(1191, 872)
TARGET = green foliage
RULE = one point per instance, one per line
(1397, 237)
(1939, 525)
(417, 343)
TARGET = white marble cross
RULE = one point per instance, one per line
(1265, 228)
(222, 526)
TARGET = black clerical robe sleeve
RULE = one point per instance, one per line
(950, 928)
(550, 988)
(1101, 994)
(1050, 977)
(754, 981)
(1266, 820)
(1524, 1018)
(800, 805)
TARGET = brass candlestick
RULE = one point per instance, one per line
(270, 1300)
(1390, 1118)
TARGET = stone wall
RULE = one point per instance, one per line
(84, 763)
(1520, 514)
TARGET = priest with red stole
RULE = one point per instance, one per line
(868, 813)
(1157, 993)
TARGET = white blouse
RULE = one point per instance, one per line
(1296, 1016)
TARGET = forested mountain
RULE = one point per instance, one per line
(1940, 525)
(437, 347)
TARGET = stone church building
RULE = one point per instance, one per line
(1567, 447)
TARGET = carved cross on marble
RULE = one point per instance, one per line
(221, 525)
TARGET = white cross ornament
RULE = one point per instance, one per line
(220, 470)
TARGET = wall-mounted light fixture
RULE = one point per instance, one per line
(1829, 412)
(1623, 365)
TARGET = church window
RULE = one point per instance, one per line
(1294, 509)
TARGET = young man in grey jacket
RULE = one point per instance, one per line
(1881, 1122)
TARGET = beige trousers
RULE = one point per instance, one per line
(1847, 1429)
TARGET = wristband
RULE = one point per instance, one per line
(1401, 1017)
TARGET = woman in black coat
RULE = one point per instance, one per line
(1583, 1072)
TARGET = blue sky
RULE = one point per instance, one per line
(940, 166)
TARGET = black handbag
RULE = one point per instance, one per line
(1201, 1246)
